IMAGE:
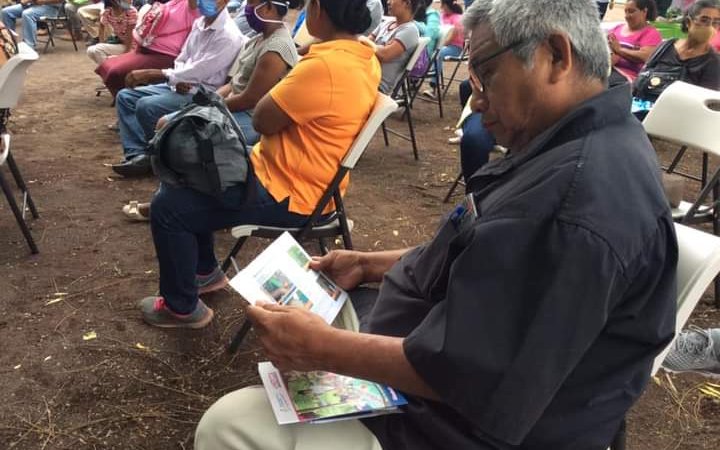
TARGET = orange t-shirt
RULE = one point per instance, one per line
(328, 95)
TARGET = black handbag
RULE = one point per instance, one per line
(651, 82)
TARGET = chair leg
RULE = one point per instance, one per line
(18, 215)
(239, 336)
(439, 99)
(236, 248)
(385, 134)
(452, 77)
(618, 442)
(72, 33)
(452, 188)
(412, 134)
(21, 185)
(704, 174)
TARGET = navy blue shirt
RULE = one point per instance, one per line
(537, 323)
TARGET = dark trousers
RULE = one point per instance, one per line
(602, 9)
(182, 223)
(477, 142)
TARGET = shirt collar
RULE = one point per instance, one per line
(218, 24)
(610, 106)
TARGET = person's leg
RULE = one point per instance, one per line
(464, 91)
(100, 52)
(30, 17)
(243, 420)
(244, 119)
(182, 221)
(89, 16)
(113, 71)
(162, 100)
(445, 52)
(131, 133)
(10, 14)
(475, 146)
(602, 9)
(71, 14)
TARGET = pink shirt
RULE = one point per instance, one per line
(177, 20)
(455, 20)
(715, 42)
(645, 37)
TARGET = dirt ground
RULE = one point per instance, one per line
(135, 387)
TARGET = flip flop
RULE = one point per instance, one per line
(132, 212)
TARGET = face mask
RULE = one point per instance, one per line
(208, 8)
(256, 22)
(701, 34)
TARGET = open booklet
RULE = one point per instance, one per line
(318, 397)
(281, 274)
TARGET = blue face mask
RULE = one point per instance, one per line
(208, 8)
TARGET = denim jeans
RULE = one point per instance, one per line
(475, 146)
(30, 16)
(244, 120)
(138, 111)
(448, 50)
(182, 222)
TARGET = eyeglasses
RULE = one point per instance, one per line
(707, 21)
(477, 65)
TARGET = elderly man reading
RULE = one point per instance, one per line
(532, 318)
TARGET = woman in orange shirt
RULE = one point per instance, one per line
(304, 137)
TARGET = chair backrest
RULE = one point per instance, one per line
(686, 114)
(698, 264)
(422, 44)
(12, 75)
(384, 106)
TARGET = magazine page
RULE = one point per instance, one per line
(282, 274)
(319, 396)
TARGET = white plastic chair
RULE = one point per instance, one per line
(688, 115)
(698, 265)
(338, 224)
(12, 79)
(401, 94)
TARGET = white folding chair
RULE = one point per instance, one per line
(415, 83)
(698, 265)
(12, 79)
(688, 115)
(401, 94)
(338, 224)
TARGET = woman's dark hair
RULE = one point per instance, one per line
(291, 4)
(421, 12)
(649, 5)
(352, 16)
(452, 6)
(694, 11)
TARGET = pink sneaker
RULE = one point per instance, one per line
(156, 313)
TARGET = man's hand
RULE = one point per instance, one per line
(293, 338)
(183, 88)
(143, 76)
(344, 267)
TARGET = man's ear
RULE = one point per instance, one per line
(561, 56)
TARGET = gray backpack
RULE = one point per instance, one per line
(201, 147)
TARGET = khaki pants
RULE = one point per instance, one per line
(100, 52)
(243, 420)
(90, 18)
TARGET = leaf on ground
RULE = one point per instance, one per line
(89, 336)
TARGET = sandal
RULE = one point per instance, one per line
(132, 211)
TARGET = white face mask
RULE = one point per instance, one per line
(283, 4)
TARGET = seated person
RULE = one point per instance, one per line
(204, 60)
(532, 318)
(454, 39)
(89, 16)
(117, 20)
(427, 20)
(395, 41)
(30, 11)
(264, 61)
(692, 57)
(476, 142)
(71, 12)
(632, 43)
(303, 139)
(156, 51)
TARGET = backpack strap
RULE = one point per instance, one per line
(207, 157)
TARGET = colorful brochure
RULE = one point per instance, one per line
(281, 274)
(320, 397)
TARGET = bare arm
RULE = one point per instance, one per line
(268, 117)
(390, 51)
(268, 70)
(640, 55)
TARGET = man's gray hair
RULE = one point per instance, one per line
(532, 21)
